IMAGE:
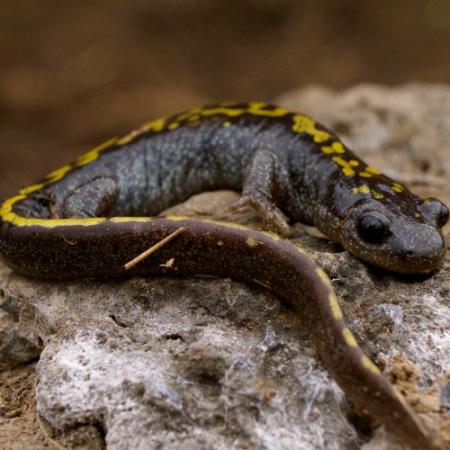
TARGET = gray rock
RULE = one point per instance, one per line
(20, 340)
(190, 364)
(212, 363)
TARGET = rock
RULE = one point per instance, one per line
(196, 367)
(205, 363)
(20, 340)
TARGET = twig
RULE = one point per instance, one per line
(153, 248)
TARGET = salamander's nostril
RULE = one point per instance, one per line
(410, 253)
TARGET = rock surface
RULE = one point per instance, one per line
(213, 363)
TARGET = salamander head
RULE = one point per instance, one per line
(400, 236)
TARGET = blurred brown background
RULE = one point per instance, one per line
(75, 73)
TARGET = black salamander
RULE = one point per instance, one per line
(91, 217)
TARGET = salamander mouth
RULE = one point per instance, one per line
(408, 262)
(418, 264)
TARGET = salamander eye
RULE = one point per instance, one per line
(373, 229)
(435, 211)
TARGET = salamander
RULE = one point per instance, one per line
(89, 218)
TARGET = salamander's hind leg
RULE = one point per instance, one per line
(261, 186)
(94, 198)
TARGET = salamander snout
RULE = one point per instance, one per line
(417, 248)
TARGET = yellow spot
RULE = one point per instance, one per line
(348, 171)
(93, 154)
(27, 190)
(353, 162)
(323, 276)
(173, 125)
(365, 174)
(340, 161)
(130, 219)
(372, 170)
(8, 204)
(334, 306)
(427, 201)
(228, 109)
(321, 136)
(176, 218)
(154, 125)
(304, 124)
(346, 166)
(251, 242)
(128, 138)
(369, 365)
(397, 187)
(417, 215)
(349, 338)
(230, 112)
(86, 158)
(336, 147)
(196, 113)
(377, 195)
(271, 235)
(185, 115)
(301, 250)
(219, 243)
(57, 174)
(364, 189)
(226, 124)
(238, 226)
(258, 110)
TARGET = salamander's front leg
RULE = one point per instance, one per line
(261, 184)
(94, 198)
